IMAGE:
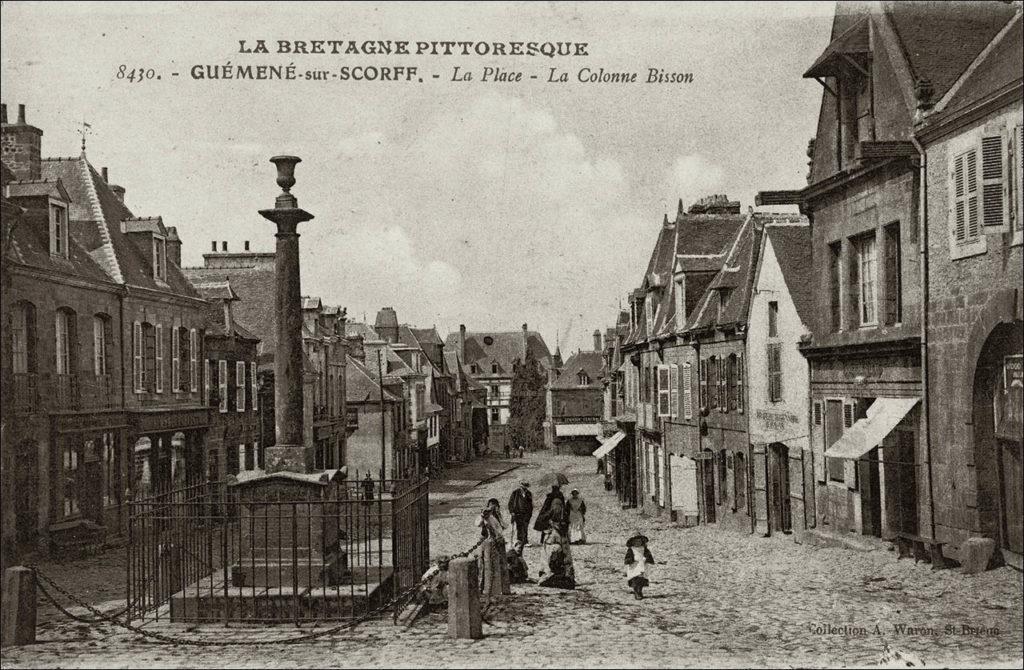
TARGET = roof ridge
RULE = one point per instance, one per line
(977, 62)
(106, 250)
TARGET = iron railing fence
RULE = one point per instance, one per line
(283, 551)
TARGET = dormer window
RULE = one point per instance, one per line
(649, 314)
(681, 301)
(494, 368)
(159, 258)
(583, 378)
(723, 300)
(59, 231)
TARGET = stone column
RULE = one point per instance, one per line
(289, 452)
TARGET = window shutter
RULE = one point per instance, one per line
(193, 352)
(240, 386)
(723, 385)
(137, 355)
(255, 387)
(175, 360)
(674, 391)
(222, 379)
(687, 391)
(817, 414)
(959, 212)
(992, 200)
(971, 195)
(848, 415)
(1017, 179)
(159, 358)
(739, 382)
(206, 383)
(703, 382)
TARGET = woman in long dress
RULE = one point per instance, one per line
(577, 516)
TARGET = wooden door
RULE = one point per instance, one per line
(779, 484)
(26, 495)
(1012, 485)
(870, 494)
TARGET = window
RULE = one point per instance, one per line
(240, 386)
(111, 471)
(966, 227)
(59, 231)
(583, 379)
(474, 369)
(148, 357)
(494, 368)
(207, 398)
(993, 212)
(673, 400)
(193, 362)
(23, 338)
(893, 271)
(100, 342)
(254, 386)
(159, 358)
(159, 258)
(712, 383)
(687, 391)
(649, 314)
(773, 319)
(864, 269)
(70, 479)
(835, 284)
(723, 300)
(66, 339)
(222, 382)
(664, 391)
(774, 371)
(731, 387)
(495, 415)
(232, 457)
(723, 476)
(176, 359)
(681, 301)
(138, 374)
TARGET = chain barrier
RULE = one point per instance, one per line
(43, 581)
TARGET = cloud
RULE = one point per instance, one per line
(693, 176)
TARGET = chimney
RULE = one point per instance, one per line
(462, 341)
(386, 324)
(104, 172)
(174, 245)
(597, 340)
(355, 348)
(118, 191)
(22, 147)
(526, 341)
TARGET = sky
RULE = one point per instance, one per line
(489, 204)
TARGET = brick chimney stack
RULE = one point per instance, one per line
(174, 245)
(597, 340)
(22, 146)
(462, 342)
(526, 341)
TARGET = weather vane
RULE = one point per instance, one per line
(84, 131)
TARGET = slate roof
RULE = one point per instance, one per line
(999, 68)
(360, 386)
(505, 349)
(940, 39)
(792, 246)
(255, 309)
(96, 214)
(591, 362)
(427, 336)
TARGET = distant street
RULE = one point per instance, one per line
(721, 598)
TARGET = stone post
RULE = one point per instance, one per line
(289, 452)
(464, 617)
(18, 615)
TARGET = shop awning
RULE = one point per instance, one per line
(868, 433)
(608, 445)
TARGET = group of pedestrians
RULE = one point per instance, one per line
(518, 452)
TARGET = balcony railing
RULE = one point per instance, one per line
(63, 392)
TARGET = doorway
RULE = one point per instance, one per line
(26, 495)
(870, 494)
(778, 477)
(707, 471)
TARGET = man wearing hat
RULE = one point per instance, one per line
(520, 507)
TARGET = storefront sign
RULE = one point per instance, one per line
(775, 419)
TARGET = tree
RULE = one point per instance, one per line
(527, 403)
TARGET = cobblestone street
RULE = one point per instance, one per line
(717, 598)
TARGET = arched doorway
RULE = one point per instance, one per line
(997, 425)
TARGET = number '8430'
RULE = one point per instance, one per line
(136, 73)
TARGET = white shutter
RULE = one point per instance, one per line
(687, 391)
(159, 358)
(971, 194)
(739, 382)
(206, 382)
(222, 381)
(99, 363)
(137, 355)
(252, 382)
(240, 386)
(175, 360)
(673, 400)
(193, 370)
(1017, 177)
(992, 183)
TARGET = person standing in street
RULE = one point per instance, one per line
(543, 522)
(520, 507)
(577, 516)
(508, 450)
(638, 557)
(522, 451)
